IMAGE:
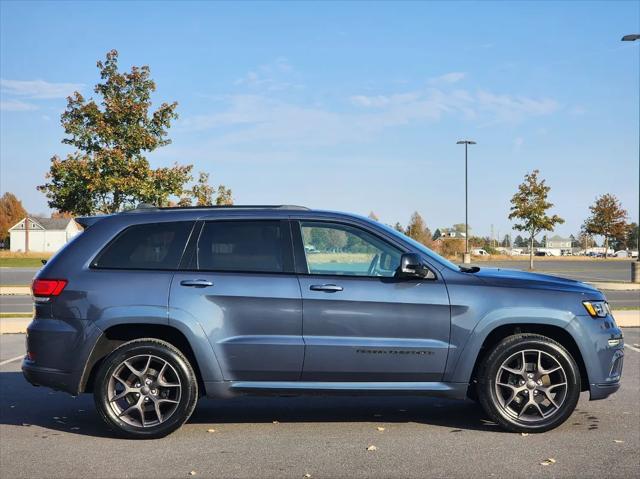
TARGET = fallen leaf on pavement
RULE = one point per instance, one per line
(618, 441)
(372, 448)
(307, 475)
(211, 430)
(192, 473)
(276, 422)
(524, 434)
(380, 429)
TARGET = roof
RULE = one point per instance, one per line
(558, 238)
(48, 223)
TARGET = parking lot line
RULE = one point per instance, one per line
(7, 361)
(633, 348)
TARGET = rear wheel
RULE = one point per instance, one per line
(529, 383)
(145, 389)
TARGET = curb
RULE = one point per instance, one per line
(627, 318)
(611, 286)
(15, 290)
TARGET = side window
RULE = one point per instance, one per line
(344, 250)
(147, 246)
(244, 246)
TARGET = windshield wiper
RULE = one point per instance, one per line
(469, 269)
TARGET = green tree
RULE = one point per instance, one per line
(202, 191)
(417, 229)
(225, 196)
(529, 208)
(11, 212)
(108, 171)
(607, 219)
(437, 234)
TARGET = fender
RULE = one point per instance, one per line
(463, 356)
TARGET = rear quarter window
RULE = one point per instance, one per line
(146, 246)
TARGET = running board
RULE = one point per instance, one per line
(452, 390)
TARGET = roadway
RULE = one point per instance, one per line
(50, 434)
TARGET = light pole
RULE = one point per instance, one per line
(467, 257)
(635, 266)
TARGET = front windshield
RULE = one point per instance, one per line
(422, 248)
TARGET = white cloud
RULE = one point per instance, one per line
(38, 88)
(260, 116)
(517, 143)
(448, 78)
(276, 76)
(16, 105)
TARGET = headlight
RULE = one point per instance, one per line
(597, 309)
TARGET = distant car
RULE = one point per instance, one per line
(542, 253)
(152, 308)
(622, 254)
(479, 252)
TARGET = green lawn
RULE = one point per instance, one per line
(25, 262)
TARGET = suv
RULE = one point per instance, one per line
(152, 308)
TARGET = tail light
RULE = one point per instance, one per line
(42, 288)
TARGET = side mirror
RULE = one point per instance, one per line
(411, 267)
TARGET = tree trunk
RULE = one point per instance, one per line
(606, 246)
(531, 252)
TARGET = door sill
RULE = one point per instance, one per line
(452, 390)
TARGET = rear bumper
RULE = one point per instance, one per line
(57, 351)
(52, 378)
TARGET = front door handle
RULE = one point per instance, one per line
(196, 283)
(327, 288)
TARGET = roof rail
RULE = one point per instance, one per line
(147, 208)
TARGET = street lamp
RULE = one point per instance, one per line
(635, 266)
(467, 257)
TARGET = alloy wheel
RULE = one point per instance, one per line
(531, 385)
(144, 390)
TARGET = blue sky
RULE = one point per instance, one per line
(349, 106)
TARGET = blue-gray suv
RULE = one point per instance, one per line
(152, 308)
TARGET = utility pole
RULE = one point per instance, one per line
(635, 266)
(467, 256)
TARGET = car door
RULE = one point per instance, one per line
(360, 323)
(239, 284)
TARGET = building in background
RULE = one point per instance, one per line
(556, 246)
(46, 235)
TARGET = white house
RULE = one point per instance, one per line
(46, 235)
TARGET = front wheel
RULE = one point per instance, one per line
(529, 383)
(146, 388)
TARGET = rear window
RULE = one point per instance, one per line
(148, 246)
(245, 246)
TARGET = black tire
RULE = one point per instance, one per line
(181, 400)
(493, 397)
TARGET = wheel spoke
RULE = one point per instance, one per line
(132, 369)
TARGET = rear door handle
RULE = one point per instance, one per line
(196, 283)
(327, 288)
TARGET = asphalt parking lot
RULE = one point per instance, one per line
(50, 434)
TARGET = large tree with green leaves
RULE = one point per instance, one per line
(529, 208)
(608, 219)
(108, 170)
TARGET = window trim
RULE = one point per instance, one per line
(302, 268)
(96, 258)
(287, 244)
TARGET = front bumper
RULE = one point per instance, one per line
(601, 345)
